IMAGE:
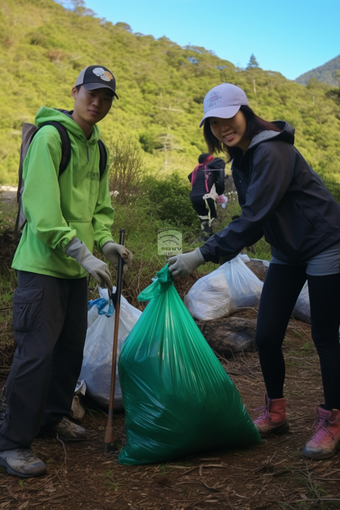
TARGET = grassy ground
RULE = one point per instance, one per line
(270, 476)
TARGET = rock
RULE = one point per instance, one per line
(258, 267)
(229, 336)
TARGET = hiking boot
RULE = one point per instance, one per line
(325, 441)
(206, 229)
(321, 415)
(66, 430)
(272, 418)
(21, 462)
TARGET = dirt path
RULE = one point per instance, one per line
(273, 475)
(8, 194)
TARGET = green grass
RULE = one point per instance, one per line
(109, 483)
(164, 469)
(142, 215)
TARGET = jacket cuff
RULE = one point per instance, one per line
(103, 242)
(200, 255)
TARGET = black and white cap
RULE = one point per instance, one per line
(97, 77)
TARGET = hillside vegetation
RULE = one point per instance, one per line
(328, 73)
(160, 84)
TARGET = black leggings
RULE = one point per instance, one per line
(280, 291)
(206, 209)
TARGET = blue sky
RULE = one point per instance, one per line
(290, 36)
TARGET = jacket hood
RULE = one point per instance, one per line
(216, 163)
(65, 118)
(286, 134)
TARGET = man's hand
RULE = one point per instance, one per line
(113, 251)
(96, 267)
(186, 263)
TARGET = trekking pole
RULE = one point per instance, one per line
(109, 437)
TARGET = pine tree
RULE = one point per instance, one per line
(253, 63)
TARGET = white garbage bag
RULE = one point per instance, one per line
(233, 285)
(302, 306)
(209, 298)
(97, 361)
(245, 287)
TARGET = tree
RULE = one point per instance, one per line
(126, 168)
(78, 6)
(336, 76)
(124, 26)
(335, 93)
(253, 63)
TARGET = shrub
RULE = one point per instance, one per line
(126, 168)
(169, 199)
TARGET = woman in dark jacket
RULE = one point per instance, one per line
(283, 199)
(208, 172)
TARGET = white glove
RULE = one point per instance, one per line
(113, 251)
(186, 263)
(96, 267)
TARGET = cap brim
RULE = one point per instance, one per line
(227, 112)
(95, 86)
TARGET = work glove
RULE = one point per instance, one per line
(96, 267)
(186, 263)
(113, 251)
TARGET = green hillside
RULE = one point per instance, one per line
(161, 87)
(325, 73)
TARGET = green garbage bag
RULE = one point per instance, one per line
(177, 397)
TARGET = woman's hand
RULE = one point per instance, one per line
(186, 263)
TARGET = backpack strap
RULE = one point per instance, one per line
(28, 133)
(194, 173)
(102, 158)
(206, 178)
(65, 144)
(66, 148)
(65, 159)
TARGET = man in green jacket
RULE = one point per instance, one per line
(65, 216)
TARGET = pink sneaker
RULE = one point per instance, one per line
(272, 418)
(325, 441)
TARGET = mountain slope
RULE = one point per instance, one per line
(323, 73)
(160, 85)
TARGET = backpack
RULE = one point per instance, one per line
(208, 170)
(28, 133)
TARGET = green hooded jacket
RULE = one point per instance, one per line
(57, 210)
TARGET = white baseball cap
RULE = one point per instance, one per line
(223, 101)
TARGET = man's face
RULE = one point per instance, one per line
(91, 106)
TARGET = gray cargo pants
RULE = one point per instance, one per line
(49, 322)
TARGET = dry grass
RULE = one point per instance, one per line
(271, 476)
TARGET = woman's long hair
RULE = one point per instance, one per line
(254, 126)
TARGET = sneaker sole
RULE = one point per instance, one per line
(278, 430)
(11, 471)
(320, 455)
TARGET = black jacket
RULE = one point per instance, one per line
(214, 174)
(282, 198)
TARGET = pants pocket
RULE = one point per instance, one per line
(27, 310)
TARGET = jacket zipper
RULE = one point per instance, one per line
(87, 151)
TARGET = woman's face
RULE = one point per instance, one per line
(230, 131)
